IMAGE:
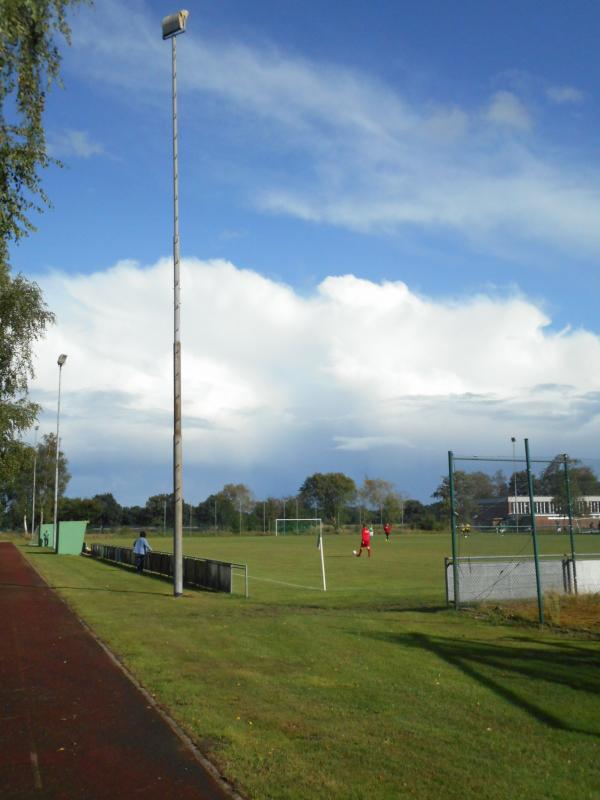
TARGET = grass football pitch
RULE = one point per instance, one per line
(373, 689)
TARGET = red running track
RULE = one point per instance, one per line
(72, 724)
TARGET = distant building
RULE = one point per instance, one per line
(496, 511)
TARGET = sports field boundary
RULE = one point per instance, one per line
(286, 583)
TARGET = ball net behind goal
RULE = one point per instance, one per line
(293, 527)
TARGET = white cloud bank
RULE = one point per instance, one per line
(357, 369)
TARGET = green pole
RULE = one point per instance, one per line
(540, 598)
(453, 528)
(570, 509)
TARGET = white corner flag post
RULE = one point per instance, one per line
(322, 556)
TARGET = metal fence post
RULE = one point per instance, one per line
(570, 509)
(453, 529)
(540, 597)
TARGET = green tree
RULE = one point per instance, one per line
(23, 320)
(206, 512)
(16, 483)
(413, 513)
(239, 495)
(16, 486)
(469, 488)
(81, 508)
(500, 484)
(329, 492)
(159, 510)
(519, 479)
(46, 474)
(392, 509)
(381, 495)
(110, 512)
(135, 516)
(583, 481)
(271, 511)
(239, 500)
(29, 64)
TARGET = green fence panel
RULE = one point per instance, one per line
(70, 537)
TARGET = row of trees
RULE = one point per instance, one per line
(332, 496)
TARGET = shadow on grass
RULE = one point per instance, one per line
(489, 663)
(565, 644)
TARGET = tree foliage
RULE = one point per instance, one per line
(469, 488)
(329, 492)
(239, 495)
(30, 64)
(583, 481)
(46, 475)
(16, 483)
(23, 320)
(381, 495)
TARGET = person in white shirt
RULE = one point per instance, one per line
(141, 546)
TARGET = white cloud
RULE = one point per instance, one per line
(371, 159)
(73, 143)
(506, 109)
(564, 95)
(270, 376)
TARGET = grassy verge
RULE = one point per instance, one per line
(562, 612)
(371, 690)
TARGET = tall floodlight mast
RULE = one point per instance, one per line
(172, 26)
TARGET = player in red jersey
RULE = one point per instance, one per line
(387, 529)
(365, 542)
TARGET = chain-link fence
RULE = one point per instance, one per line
(521, 525)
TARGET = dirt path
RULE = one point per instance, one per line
(72, 725)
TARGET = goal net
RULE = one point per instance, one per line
(285, 527)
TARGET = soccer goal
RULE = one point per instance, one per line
(287, 526)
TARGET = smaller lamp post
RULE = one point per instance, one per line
(37, 427)
(61, 360)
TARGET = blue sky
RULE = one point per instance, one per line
(389, 226)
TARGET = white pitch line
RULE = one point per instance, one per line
(285, 583)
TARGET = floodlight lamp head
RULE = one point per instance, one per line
(174, 24)
(512, 438)
(61, 359)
